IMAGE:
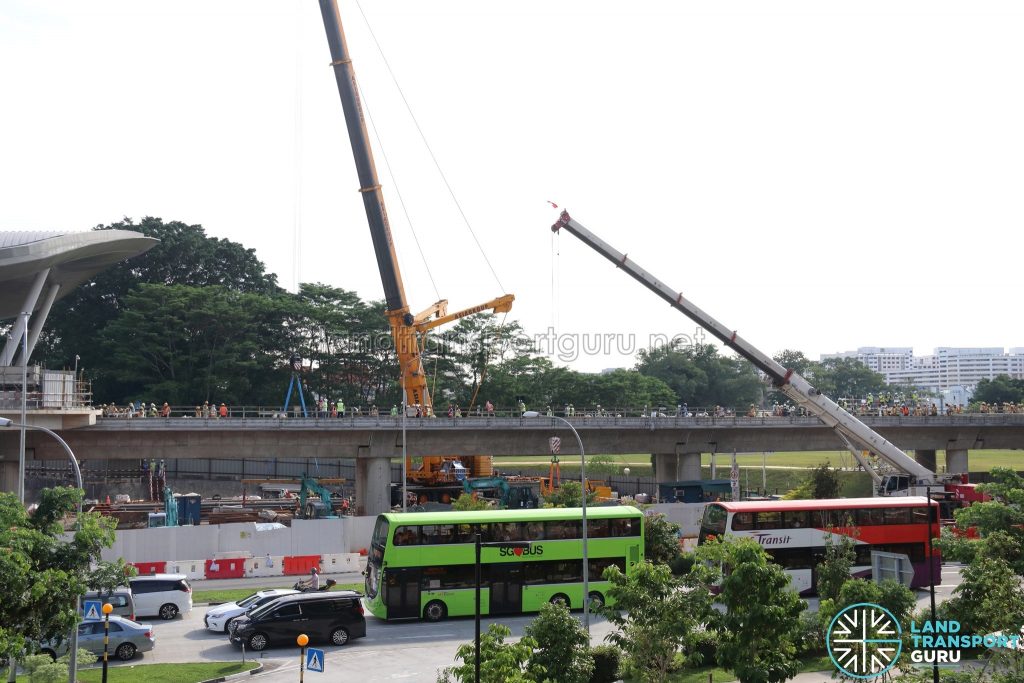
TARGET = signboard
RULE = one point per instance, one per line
(315, 660)
(556, 444)
(93, 610)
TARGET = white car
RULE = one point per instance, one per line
(219, 617)
(163, 595)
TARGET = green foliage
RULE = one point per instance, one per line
(561, 653)
(602, 466)
(500, 662)
(467, 502)
(656, 616)
(835, 567)
(606, 664)
(42, 669)
(569, 495)
(999, 523)
(848, 377)
(760, 629)
(661, 539)
(891, 595)
(824, 482)
(989, 598)
(1001, 389)
(43, 574)
(698, 376)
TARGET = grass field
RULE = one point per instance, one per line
(980, 460)
(236, 594)
(161, 673)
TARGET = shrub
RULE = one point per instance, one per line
(606, 664)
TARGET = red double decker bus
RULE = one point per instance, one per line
(794, 532)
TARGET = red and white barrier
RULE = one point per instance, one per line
(239, 565)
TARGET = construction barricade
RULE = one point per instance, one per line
(148, 568)
(295, 565)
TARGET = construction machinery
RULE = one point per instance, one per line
(551, 483)
(314, 500)
(408, 330)
(512, 492)
(893, 471)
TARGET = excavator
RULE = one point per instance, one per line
(513, 492)
(551, 483)
(409, 330)
(893, 471)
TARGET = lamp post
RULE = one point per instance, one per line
(107, 609)
(583, 506)
(302, 640)
(5, 422)
(405, 457)
(931, 570)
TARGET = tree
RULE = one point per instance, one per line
(824, 482)
(656, 616)
(568, 495)
(761, 625)
(184, 256)
(661, 539)
(847, 377)
(500, 662)
(834, 569)
(43, 573)
(698, 376)
(999, 523)
(998, 390)
(562, 652)
(989, 598)
(467, 502)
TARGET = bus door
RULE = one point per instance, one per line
(402, 593)
(506, 588)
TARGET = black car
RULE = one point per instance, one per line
(335, 617)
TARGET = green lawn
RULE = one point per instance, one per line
(236, 594)
(700, 675)
(160, 673)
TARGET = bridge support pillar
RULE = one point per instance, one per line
(688, 467)
(956, 460)
(926, 458)
(664, 467)
(373, 486)
(9, 475)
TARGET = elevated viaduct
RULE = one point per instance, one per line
(373, 441)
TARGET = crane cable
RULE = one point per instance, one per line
(430, 151)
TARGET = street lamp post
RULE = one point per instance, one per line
(5, 422)
(107, 609)
(583, 506)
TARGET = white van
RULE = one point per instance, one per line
(163, 595)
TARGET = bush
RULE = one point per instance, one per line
(704, 649)
(606, 664)
(811, 639)
(681, 564)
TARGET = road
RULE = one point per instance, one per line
(402, 651)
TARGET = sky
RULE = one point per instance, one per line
(816, 175)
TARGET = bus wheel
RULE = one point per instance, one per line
(435, 611)
(596, 601)
(561, 599)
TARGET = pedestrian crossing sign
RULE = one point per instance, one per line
(315, 660)
(93, 610)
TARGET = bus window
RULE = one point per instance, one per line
(896, 515)
(769, 520)
(486, 533)
(380, 532)
(624, 527)
(434, 534)
(870, 517)
(449, 577)
(407, 535)
(464, 533)
(506, 531)
(792, 558)
(863, 554)
(919, 515)
(743, 521)
(534, 531)
(597, 567)
(713, 523)
(561, 529)
(795, 519)
(566, 571)
(597, 528)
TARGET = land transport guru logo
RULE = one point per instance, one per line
(864, 640)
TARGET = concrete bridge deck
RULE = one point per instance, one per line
(373, 441)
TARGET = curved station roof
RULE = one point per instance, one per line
(71, 258)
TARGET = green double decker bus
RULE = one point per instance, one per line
(423, 564)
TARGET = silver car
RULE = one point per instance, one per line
(126, 638)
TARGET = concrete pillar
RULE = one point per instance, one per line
(956, 461)
(9, 475)
(373, 486)
(688, 467)
(664, 467)
(925, 457)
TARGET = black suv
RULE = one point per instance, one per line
(335, 617)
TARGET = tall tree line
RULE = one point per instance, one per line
(198, 319)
